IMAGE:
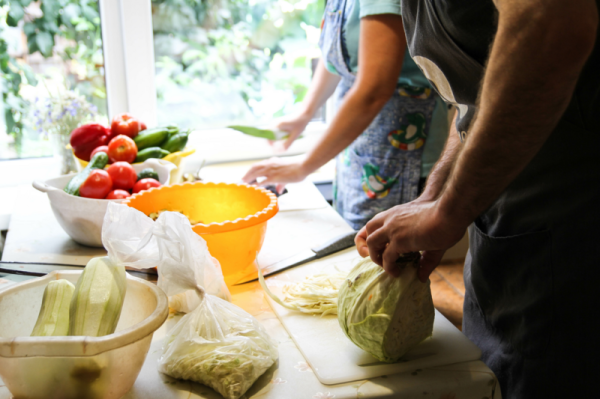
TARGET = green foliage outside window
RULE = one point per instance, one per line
(77, 23)
(256, 48)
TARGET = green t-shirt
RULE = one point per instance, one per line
(355, 10)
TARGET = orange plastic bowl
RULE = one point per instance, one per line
(232, 218)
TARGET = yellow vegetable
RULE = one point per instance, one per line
(53, 319)
(98, 299)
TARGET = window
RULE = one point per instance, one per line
(221, 62)
(46, 47)
(202, 64)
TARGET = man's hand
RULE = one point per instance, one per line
(406, 214)
(276, 170)
(411, 227)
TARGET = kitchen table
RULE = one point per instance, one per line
(306, 220)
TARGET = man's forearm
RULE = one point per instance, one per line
(524, 93)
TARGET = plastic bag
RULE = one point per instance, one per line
(216, 343)
(132, 239)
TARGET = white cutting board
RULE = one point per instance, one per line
(335, 359)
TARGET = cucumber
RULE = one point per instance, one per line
(177, 142)
(151, 137)
(152, 152)
(99, 161)
(98, 299)
(53, 319)
(148, 172)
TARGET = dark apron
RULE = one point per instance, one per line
(533, 267)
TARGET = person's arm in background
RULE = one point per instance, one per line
(381, 53)
(524, 93)
(322, 86)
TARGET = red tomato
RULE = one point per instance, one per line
(86, 138)
(145, 184)
(118, 194)
(97, 185)
(122, 148)
(102, 148)
(123, 175)
(143, 126)
(125, 124)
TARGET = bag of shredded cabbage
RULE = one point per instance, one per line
(216, 343)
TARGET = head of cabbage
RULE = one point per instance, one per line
(384, 315)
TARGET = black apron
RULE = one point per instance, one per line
(533, 267)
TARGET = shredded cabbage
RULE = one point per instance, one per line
(316, 294)
(218, 345)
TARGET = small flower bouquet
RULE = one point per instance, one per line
(57, 116)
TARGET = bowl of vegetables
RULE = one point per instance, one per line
(61, 338)
(128, 140)
(79, 201)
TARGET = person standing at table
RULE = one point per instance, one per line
(524, 175)
(390, 127)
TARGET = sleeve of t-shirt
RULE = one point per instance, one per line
(376, 7)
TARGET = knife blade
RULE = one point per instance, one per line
(41, 269)
(329, 247)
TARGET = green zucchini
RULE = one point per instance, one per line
(99, 161)
(148, 172)
(177, 142)
(151, 137)
(152, 152)
(53, 319)
(98, 299)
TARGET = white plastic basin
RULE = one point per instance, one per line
(75, 367)
(81, 218)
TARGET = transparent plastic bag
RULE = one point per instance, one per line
(132, 239)
(216, 343)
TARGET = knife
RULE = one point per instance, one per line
(332, 246)
(41, 269)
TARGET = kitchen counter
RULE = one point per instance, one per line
(305, 220)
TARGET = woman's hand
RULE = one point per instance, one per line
(276, 170)
(294, 126)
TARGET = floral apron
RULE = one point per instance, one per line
(382, 167)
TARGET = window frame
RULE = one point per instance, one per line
(129, 58)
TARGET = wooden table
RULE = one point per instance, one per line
(304, 221)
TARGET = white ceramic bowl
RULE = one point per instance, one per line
(75, 367)
(81, 218)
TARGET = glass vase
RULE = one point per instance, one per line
(62, 152)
